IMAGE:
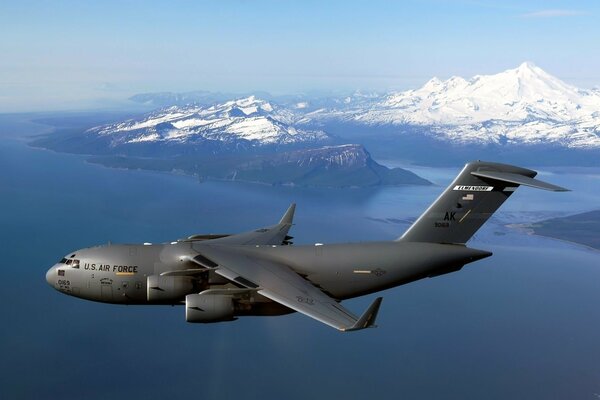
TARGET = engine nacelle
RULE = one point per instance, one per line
(206, 308)
(169, 288)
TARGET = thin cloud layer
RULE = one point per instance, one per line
(553, 13)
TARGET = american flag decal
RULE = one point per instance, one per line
(61, 272)
(469, 196)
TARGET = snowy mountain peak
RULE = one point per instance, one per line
(250, 119)
(521, 104)
(528, 71)
(433, 84)
(529, 67)
(246, 106)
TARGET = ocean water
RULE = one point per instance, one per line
(521, 324)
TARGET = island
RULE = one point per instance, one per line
(247, 140)
(581, 228)
(343, 166)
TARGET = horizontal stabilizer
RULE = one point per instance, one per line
(518, 179)
(367, 320)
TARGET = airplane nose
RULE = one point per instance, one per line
(51, 276)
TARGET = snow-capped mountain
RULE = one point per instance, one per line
(521, 105)
(249, 119)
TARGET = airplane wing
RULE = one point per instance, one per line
(280, 283)
(275, 234)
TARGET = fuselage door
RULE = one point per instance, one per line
(106, 289)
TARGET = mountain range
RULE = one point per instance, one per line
(254, 121)
(245, 139)
(525, 105)
(320, 141)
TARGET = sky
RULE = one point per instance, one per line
(76, 55)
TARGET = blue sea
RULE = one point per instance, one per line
(523, 324)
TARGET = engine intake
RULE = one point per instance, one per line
(205, 308)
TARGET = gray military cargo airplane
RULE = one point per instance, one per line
(221, 277)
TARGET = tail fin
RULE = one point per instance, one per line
(476, 193)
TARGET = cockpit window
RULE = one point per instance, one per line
(74, 263)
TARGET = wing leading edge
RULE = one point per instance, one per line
(280, 283)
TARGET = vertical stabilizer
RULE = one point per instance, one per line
(476, 193)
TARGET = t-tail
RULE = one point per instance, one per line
(476, 193)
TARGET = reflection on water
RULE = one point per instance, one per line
(520, 324)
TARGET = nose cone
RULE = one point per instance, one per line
(51, 276)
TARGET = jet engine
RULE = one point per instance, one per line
(169, 288)
(206, 308)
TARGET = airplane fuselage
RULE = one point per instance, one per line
(120, 273)
(260, 272)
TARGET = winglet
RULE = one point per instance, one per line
(367, 320)
(288, 217)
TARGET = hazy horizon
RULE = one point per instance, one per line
(72, 55)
